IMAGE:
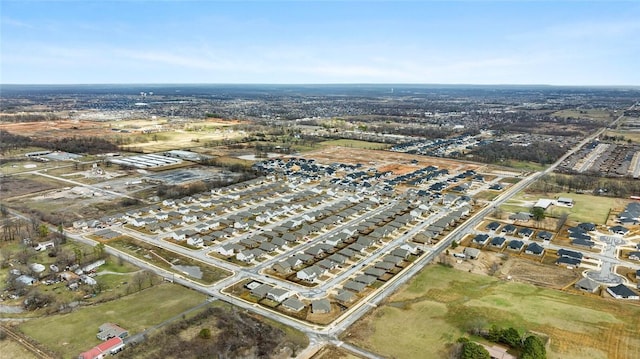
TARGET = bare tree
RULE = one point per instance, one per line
(138, 279)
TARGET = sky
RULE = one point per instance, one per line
(306, 42)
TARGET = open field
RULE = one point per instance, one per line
(356, 144)
(594, 114)
(525, 165)
(167, 259)
(70, 334)
(440, 303)
(586, 208)
(380, 158)
(12, 349)
(634, 136)
(27, 184)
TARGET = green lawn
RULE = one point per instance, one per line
(440, 303)
(356, 144)
(587, 208)
(70, 334)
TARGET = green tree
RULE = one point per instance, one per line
(205, 333)
(511, 337)
(471, 350)
(43, 230)
(78, 254)
(99, 251)
(533, 348)
(538, 213)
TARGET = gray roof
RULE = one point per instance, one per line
(345, 296)
(293, 303)
(321, 306)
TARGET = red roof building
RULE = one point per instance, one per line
(100, 351)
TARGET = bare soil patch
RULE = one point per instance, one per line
(18, 186)
(523, 270)
(381, 159)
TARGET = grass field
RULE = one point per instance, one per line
(11, 349)
(163, 258)
(70, 334)
(440, 303)
(628, 135)
(524, 165)
(587, 208)
(594, 114)
(356, 144)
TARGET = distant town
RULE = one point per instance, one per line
(319, 221)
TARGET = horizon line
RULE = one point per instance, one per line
(315, 84)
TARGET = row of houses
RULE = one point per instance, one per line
(448, 221)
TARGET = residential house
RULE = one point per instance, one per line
(282, 267)
(261, 291)
(387, 266)
(293, 304)
(245, 256)
(588, 227)
(111, 330)
(493, 226)
(569, 253)
(582, 242)
(411, 248)
(521, 216)
(498, 242)
(376, 272)
(310, 274)
(525, 233)
(278, 294)
(472, 253)
(354, 286)
(229, 249)
(515, 245)
(345, 296)
(327, 264)
(568, 262)
(399, 252)
(544, 235)
(509, 229)
(100, 351)
(618, 230)
(366, 279)
(587, 285)
(621, 291)
(321, 306)
(481, 239)
(535, 249)
(565, 201)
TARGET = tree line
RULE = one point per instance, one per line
(90, 145)
(224, 333)
(538, 152)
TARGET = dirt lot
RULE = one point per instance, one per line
(517, 269)
(383, 159)
(18, 186)
(63, 128)
(522, 270)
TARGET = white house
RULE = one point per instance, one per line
(310, 274)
